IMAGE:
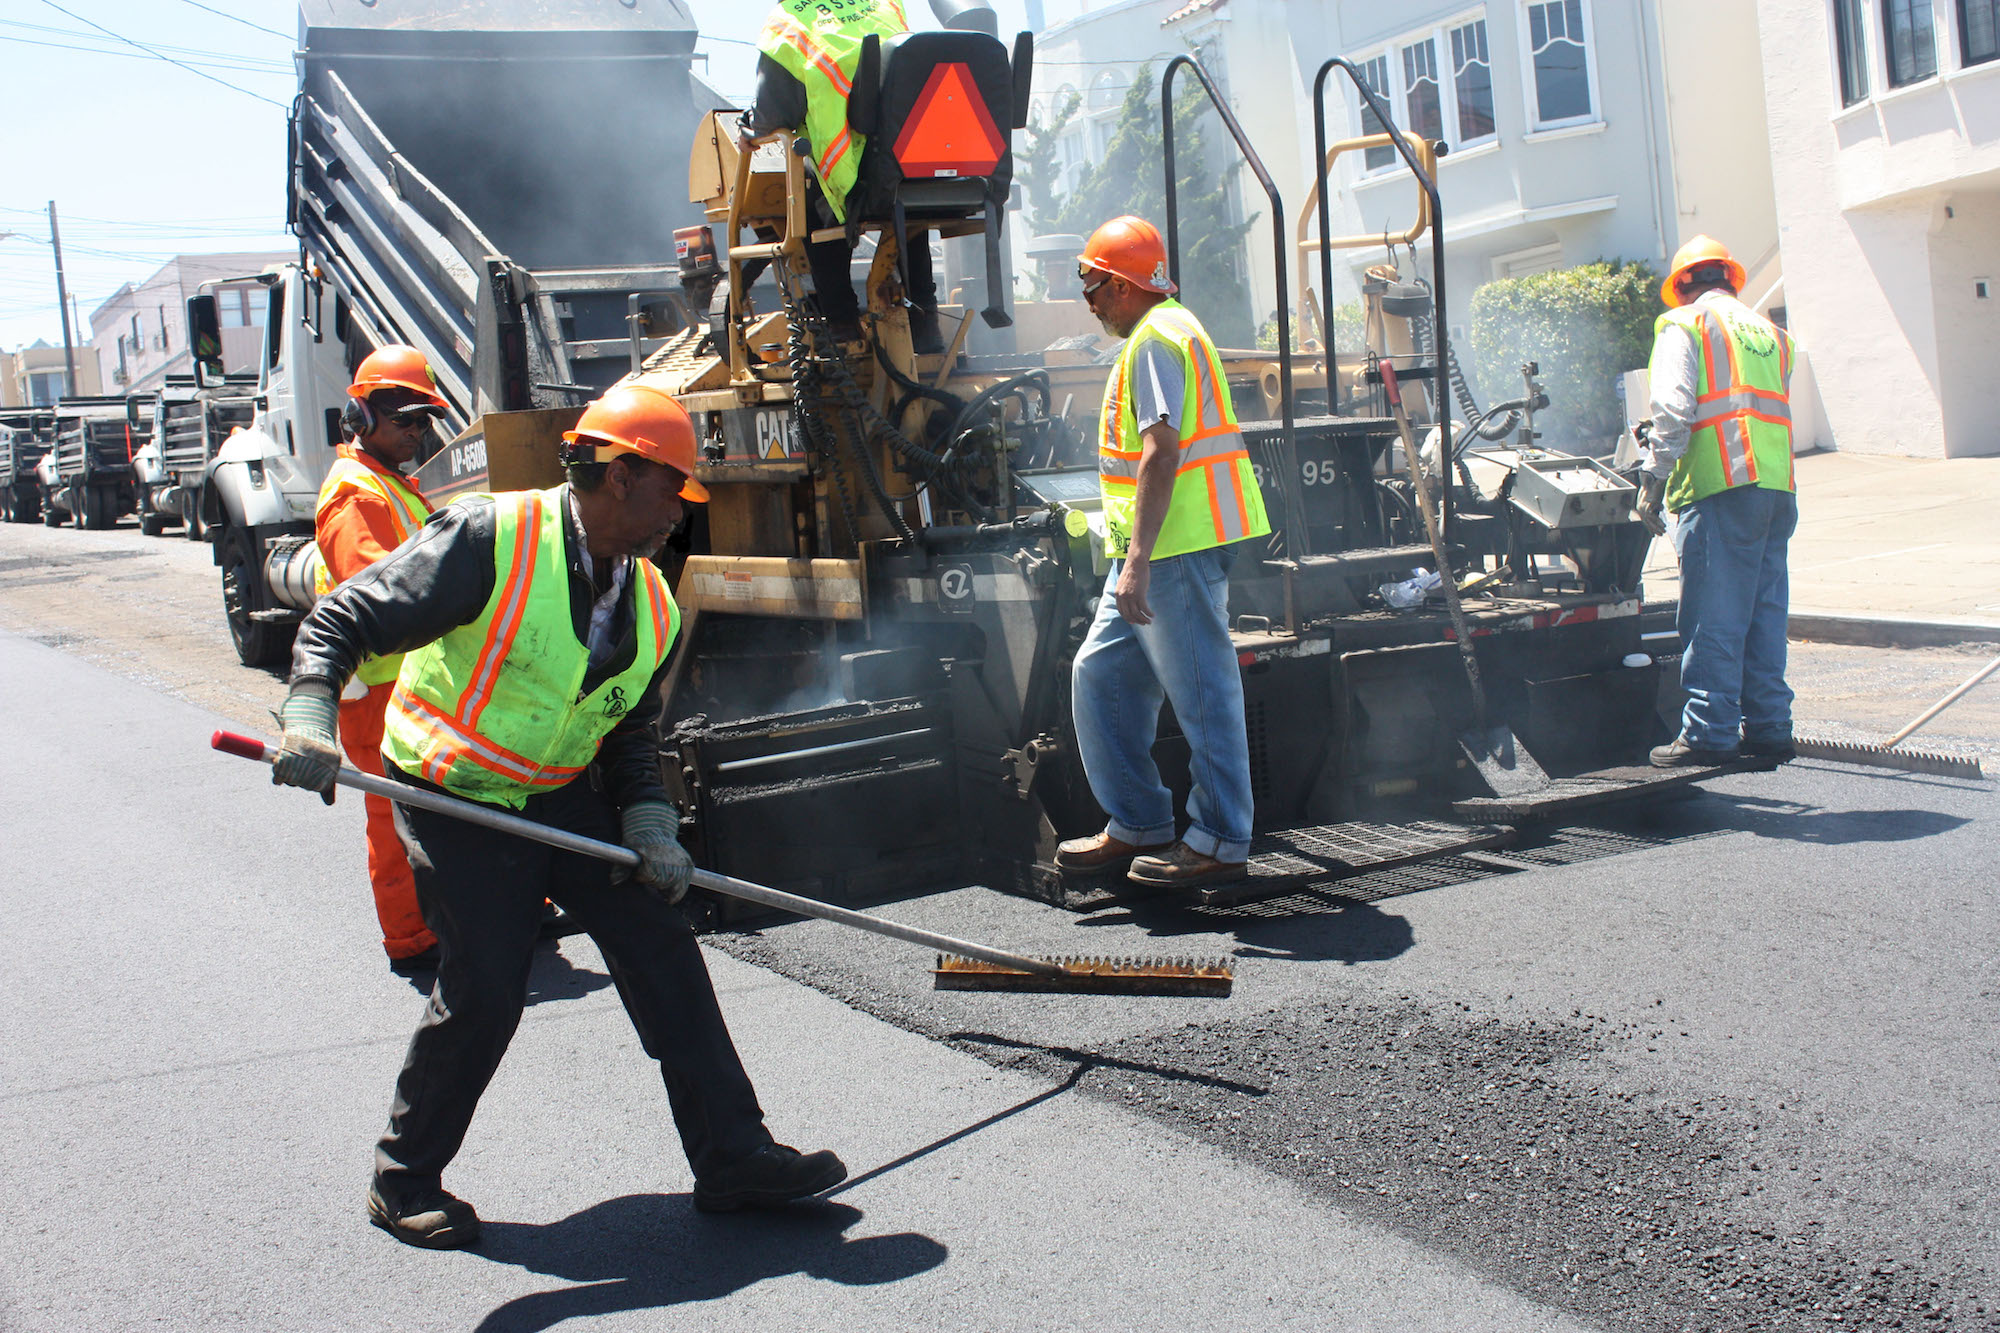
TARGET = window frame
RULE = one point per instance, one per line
(1396, 93)
(1966, 60)
(1530, 85)
(1882, 22)
(1840, 14)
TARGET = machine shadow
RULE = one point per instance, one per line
(1308, 926)
(653, 1251)
(1792, 822)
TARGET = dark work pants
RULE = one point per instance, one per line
(833, 280)
(481, 893)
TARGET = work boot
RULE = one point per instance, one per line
(926, 337)
(770, 1177)
(1680, 754)
(428, 1217)
(1780, 749)
(1182, 867)
(1100, 851)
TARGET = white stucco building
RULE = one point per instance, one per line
(1575, 130)
(1885, 156)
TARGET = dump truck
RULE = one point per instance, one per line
(89, 473)
(502, 211)
(901, 553)
(25, 437)
(187, 427)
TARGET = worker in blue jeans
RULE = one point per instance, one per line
(1179, 492)
(1720, 458)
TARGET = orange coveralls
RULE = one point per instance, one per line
(355, 528)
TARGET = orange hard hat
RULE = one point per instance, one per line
(1128, 248)
(1698, 251)
(395, 367)
(637, 418)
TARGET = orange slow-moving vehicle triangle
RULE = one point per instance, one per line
(949, 131)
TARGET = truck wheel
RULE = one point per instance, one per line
(7, 505)
(53, 515)
(152, 523)
(73, 501)
(257, 644)
(95, 508)
(194, 531)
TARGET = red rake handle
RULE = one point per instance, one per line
(249, 747)
(1389, 385)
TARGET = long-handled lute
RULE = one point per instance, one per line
(961, 964)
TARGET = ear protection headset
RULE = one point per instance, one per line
(356, 418)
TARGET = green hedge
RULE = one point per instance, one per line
(1585, 325)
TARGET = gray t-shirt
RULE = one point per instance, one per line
(1158, 387)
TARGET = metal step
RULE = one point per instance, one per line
(1602, 787)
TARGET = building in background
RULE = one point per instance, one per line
(36, 375)
(140, 332)
(1094, 51)
(1885, 154)
(1575, 130)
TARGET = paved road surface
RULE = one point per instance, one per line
(1724, 1064)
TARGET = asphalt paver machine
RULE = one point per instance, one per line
(902, 551)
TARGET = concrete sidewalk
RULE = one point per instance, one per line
(1886, 549)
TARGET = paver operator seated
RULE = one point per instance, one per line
(809, 50)
(1178, 491)
(1720, 458)
(367, 508)
(536, 632)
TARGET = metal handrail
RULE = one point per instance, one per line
(1428, 182)
(1298, 542)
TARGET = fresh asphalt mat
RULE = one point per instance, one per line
(1725, 1064)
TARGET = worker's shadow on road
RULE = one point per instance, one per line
(1790, 821)
(551, 976)
(1310, 926)
(652, 1251)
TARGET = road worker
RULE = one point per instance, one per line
(1179, 491)
(536, 630)
(367, 508)
(808, 52)
(1720, 459)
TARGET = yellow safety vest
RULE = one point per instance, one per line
(819, 42)
(1216, 500)
(495, 710)
(1742, 429)
(407, 512)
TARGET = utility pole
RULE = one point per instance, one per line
(62, 299)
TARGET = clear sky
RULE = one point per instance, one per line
(146, 160)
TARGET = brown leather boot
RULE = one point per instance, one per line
(1100, 851)
(1181, 867)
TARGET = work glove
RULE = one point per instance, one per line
(309, 757)
(1652, 493)
(649, 829)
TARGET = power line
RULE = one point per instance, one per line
(234, 19)
(50, 30)
(169, 59)
(272, 71)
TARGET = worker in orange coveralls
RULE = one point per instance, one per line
(367, 507)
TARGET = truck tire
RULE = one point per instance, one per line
(152, 523)
(95, 509)
(258, 644)
(73, 499)
(7, 504)
(52, 514)
(194, 531)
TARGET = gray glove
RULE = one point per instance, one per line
(1651, 494)
(649, 829)
(310, 756)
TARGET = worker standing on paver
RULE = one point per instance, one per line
(1178, 491)
(367, 508)
(536, 631)
(808, 52)
(1720, 458)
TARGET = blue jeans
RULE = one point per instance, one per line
(1122, 673)
(1734, 601)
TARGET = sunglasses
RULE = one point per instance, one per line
(412, 417)
(1091, 288)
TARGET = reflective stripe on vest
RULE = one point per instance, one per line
(1215, 498)
(821, 50)
(1741, 433)
(407, 511)
(495, 710)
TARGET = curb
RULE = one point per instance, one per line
(1890, 631)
